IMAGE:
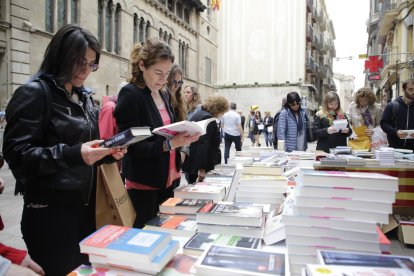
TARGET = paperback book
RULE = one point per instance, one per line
(153, 267)
(230, 214)
(176, 205)
(174, 224)
(224, 260)
(127, 137)
(200, 241)
(209, 192)
(126, 243)
(171, 130)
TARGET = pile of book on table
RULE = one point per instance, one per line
(241, 219)
(338, 210)
(262, 184)
(332, 263)
(129, 248)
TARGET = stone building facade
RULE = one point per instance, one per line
(189, 27)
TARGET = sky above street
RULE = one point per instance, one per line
(349, 19)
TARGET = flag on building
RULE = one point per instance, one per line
(215, 5)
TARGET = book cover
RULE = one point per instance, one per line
(243, 231)
(85, 270)
(334, 270)
(200, 241)
(176, 225)
(342, 258)
(180, 265)
(174, 129)
(240, 261)
(341, 179)
(210, 192)
(230, 214)
(155, 266)
(176, 205)
(123, 242)
(127, 137)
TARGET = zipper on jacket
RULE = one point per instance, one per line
(406, 126)
(90, 132)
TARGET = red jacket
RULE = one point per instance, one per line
(16, 256)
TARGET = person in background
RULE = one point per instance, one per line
(173, 89)
(242, 118)
(47, 146)
(268, 122)
(150, 166)
(398, 116)
(323, 130)
(276, 123)
(192, 101)
(257, 127)
(232, 128)
(205, 153)
(292, 124)
(364, 112)
(250, 123)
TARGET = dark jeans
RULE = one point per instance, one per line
(228, 139)
(52, 235)
(268, 138)
(147, 202)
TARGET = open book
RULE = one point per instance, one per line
(340, 124)
(409, 132)
(127, 137)
(174, 129)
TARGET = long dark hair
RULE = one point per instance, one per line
(177, 101)
(291, 98)
(66, 52)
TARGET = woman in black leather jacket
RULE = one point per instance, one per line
(50, 146)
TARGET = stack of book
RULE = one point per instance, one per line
(231, 218)
(385, 156)
(201, 190)
(129, 248)
(177, 225)
(224, 260)
(200, 241)
(339, 210)
(258, 188)
(354, 263)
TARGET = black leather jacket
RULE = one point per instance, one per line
(42, 143)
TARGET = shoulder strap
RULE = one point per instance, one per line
(48, 101)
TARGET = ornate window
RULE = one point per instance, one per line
(59, 13)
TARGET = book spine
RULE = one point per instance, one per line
(118, 139)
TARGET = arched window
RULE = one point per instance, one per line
(141, 30)
(108, 20)
(61, 13)
(117, 27)
(74, 11)
(135, 29)
(100, 20)
(160, 35)
(65, 11)
(49, 15)
(169, 39)
(147, 29)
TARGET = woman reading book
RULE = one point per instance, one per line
(323, 125)
(151, 166)
(47, 144)
(205, 153)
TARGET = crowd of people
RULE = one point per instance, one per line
(54, 128)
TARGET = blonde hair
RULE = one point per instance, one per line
(216, 104)
(176, 98)
(153, 51)
(330, 97)
(191, 106)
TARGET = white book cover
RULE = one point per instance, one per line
(174, 129)
(340, 124)
(334, 270)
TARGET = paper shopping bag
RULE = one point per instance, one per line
(113, 205)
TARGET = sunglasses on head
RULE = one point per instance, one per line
(179, 83)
